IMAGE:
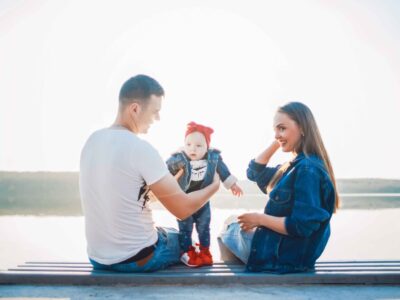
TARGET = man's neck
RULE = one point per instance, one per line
(120, 123)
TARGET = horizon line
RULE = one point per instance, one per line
(242, 179)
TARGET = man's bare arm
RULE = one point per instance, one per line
(180, 204)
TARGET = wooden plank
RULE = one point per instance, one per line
(218, 266)
(111, 278)
(203, 269)
(357, 261)
(215, 268)
(346, 262)
(81, 273)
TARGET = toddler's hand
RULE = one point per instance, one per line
(236, 190)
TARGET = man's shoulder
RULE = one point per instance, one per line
(97, 134)
(121, 138)
(110, 132)
(95, 138)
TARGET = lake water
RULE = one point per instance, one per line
(356, 235)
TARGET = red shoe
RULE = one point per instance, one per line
(191, 258)
(205, 256)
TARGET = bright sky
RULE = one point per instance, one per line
(226, 64)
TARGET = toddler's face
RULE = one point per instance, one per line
(195, 145)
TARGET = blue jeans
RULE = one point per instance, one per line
(202, 219)
(166, 253)
(237, 241)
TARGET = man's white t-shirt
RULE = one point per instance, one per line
(115, 167)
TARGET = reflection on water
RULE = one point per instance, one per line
(52, 205)
(348, 201)
(356, 234)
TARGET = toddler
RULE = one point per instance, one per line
(199, 163)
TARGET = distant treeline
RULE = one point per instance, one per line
(39, 193)
(57, 193)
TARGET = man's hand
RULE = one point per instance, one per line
(216, 181)
(179, 174)
(180, 204)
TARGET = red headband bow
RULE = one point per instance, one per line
(206, 131)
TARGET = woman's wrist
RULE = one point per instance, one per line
(274, 145)
(266, 155)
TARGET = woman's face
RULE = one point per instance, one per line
(287, 132)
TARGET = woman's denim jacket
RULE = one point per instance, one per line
(179, 160)
(306, 197)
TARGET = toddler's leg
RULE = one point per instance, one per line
(185, 233)
(202, 219)
(188, 254)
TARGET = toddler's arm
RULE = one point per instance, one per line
(229, 181)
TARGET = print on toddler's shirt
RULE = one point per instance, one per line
(199, 168)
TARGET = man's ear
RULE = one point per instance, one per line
(134, 108)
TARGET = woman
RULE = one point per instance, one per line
(294, 229)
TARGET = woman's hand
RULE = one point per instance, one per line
(265, 156)
(236, 190)
(275, 145)
(249, 221)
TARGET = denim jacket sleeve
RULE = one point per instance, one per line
(226, 177)
(222, 169)
(261, 174)
(307, 213)
(175, 163)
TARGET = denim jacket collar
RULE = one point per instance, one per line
(180, 160)
(297, 158)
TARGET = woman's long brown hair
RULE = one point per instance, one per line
(311, 142)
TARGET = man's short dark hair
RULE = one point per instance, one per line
(139, 88)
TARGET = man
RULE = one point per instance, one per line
(117, 171)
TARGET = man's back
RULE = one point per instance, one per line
(115, 167)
